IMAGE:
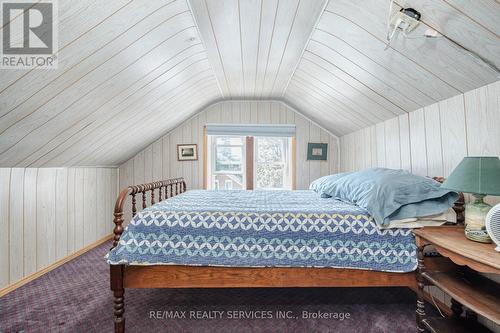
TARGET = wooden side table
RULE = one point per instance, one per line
(462, 283)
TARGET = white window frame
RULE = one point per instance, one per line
(213, 158)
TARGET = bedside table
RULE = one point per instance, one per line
(465, 287)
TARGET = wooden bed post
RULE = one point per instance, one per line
(116, 271)
(420, 312)
(116, 274)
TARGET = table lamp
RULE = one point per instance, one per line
(479, 176)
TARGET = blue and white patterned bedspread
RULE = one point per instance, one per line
(262, 229)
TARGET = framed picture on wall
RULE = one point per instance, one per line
(317, 151)
(187, 152)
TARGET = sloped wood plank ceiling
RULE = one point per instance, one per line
(131, 70)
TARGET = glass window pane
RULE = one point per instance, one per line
(270, 149)
(224, 181)
(270, 176)
(229, 159)
(229, 140)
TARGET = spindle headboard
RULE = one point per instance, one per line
(165, 188)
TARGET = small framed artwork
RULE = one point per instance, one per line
(187, 152)
(317, 151)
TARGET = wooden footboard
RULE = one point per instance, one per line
(161, 276)
(164, 189)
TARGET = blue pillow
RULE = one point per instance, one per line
(389, 194)
(321, 185)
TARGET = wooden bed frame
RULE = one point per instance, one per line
(162, 276)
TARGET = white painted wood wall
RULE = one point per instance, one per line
(47, 214)
(159, 160)
(431, 141)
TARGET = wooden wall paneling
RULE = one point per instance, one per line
(113, 194)
(244, 112)
(349, 156)
(404, 141)
(46, 216)
(79, 208)
(349, 85)
(392, 144)
(61, 217)
(275, 113)
(299, 95)
(258, 57)
(453, 132)
(368, 162)
(433, 139)
(319, 80)
(187, 166)
(254, 118)
(201, 121)
(30, 221)
(73, 24)
(87, 85)
(90, 205)
(157, 160)
(148, 164)
(139, 172)
(100, 119)
(195, 137)
(314, 166)
(321, 48)
(418, 143)
(217, 21)
(144, 93)
(464, 75)
(4, 225)
(482, 113)
(233, 111)
(483, 12)
(343, 147)
(263, 113)
(361, 40)
(403, 92)
(302, 132)
(126, 178)
(482, 108)
(381, 147)
(33, 81)
(329, 99)
(99, 102)
(473, 35)
(175, 139)
(16, 223)
(250, 37)
(71, 218)
(102, 216)
(373, 147)
(440, 135)
(167, 156)
(325, 165)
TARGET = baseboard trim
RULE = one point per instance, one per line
(11, 287)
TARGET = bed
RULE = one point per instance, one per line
(264, 239)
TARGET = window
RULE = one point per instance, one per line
(249, 162)
(272, 163)
(227, 163)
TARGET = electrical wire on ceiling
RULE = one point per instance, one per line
(407, 19)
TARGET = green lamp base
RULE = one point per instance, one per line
(475, 216)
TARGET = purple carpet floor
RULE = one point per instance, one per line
(76, 298)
